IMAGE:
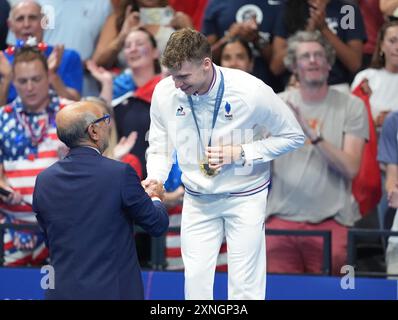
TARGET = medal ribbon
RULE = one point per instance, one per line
(220, 93)
(24, 121)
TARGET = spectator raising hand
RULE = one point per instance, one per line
(317, 12)
(104, 77)
(131, 21)
(111, 42)
(5, 67)
(54, 60)
(181, 20)
(124, 145)
(325, 17)
(251, 21)
(155, 16)
(5, 78)
(247, 29)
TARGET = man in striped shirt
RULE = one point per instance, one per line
(28, 145)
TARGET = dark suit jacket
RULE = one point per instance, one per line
(86, 204)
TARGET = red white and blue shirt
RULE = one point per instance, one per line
(28, 145)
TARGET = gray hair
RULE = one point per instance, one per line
(290, 59)
(76, 133)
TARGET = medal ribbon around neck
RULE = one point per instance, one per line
(220, 93)
(22, 118)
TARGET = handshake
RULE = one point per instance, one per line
(153, 188)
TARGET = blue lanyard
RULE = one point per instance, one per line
(220, 93)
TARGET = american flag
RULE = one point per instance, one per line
(23, 161)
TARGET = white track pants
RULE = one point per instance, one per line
(205, 221)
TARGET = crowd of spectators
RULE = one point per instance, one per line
(334, 62)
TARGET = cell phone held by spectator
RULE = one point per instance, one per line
(160, 15)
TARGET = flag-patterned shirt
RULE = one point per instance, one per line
(28, 145)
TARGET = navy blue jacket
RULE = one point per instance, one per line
(87, 204)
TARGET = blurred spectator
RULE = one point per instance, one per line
(373, 20)
(379, 83)
(311, 186)
(382, 78)
(132, 113)
(253, 21)
(143, 61)
(70, 18)
(108, 51)
(194, 8)
(77, 25)
(28, 145)
(65, 68)
(237, 54)
(155, 15)
(388, 155)
(159, 19)
(389, 8)
(4, 12)
(345, 33)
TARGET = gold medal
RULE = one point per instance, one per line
(206, 170)
(204, 163)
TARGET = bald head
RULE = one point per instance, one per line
(76, 112)
(31, 4)
(25, 20)
(73, 120)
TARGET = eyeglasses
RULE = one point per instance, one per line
(106, 118)
(305, 57)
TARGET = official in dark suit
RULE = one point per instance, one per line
(87, 205)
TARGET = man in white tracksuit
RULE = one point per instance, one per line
(226, 127)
